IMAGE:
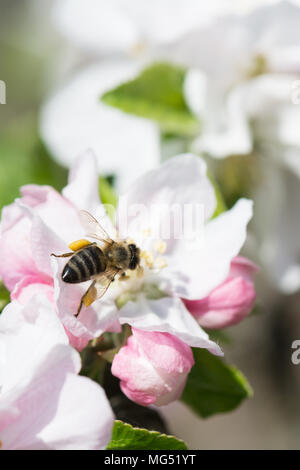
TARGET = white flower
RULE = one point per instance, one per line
(266, 41)
(130, 25)
(74, 119)
(43, 403)
(172, 268)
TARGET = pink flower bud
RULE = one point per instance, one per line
(230, 302)
(153, 367)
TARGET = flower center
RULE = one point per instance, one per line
(141, 279)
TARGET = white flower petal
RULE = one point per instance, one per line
(150, 203)
(58, 409)
(83, 418)
(29, 340)
(193, 273)
(83, 186)
(167, 315)
(101, 316)
(227, 132)
(134, 21)
(97, 25)
(44, 242)
(43, 404)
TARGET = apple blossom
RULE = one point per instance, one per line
(153, 367)
(230, 302)
(171, 269)
(40, 223)
(246, 97)
(73, 119)
(43, 403)
(238, 109)
(129, 26)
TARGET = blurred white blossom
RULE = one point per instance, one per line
(74, 119)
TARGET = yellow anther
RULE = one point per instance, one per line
(78, 244)
(160, 246)
(148, 258)
(137, 48)
(146, 232)
(160, 263)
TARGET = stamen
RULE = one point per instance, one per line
(160, 246)
(146, 232)
(148, 258)
(161, 263)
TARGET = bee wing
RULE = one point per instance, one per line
(93, 228)
(104, 280)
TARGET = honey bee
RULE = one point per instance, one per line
(98, 261)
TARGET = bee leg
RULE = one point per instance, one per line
(65, 255)
(88, 297)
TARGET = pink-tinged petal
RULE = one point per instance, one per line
(15, 252)
(244, 267)
(83, 418)
(44, 242)
(227, 305)
(153, 367)
(58, 409)
(159, 194)
(230, 302)
(82, 189)
(9, 217)
(59, 214)
(30, 286)
(43, 404)
(93, 321)
(165, 351)
(193, 272)
(167, 315)
(37, 396)
(19, 257)
(27, 333)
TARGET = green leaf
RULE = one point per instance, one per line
(219, 336)
(221, 206)
(157, 93)
(107, 194)
(213, 386)
(126, 437)
(4, 296)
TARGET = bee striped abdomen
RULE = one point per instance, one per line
(84, 264)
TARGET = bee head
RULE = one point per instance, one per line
(134, 256)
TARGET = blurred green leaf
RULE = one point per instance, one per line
(24, 160)
(4, 296)
(221, 206)
(219, 336)
(213, 386)
(107, 193)
(126, 437)
(157, 93)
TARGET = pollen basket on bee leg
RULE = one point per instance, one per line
(78, 244)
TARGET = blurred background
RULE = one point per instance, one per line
(56, 62)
